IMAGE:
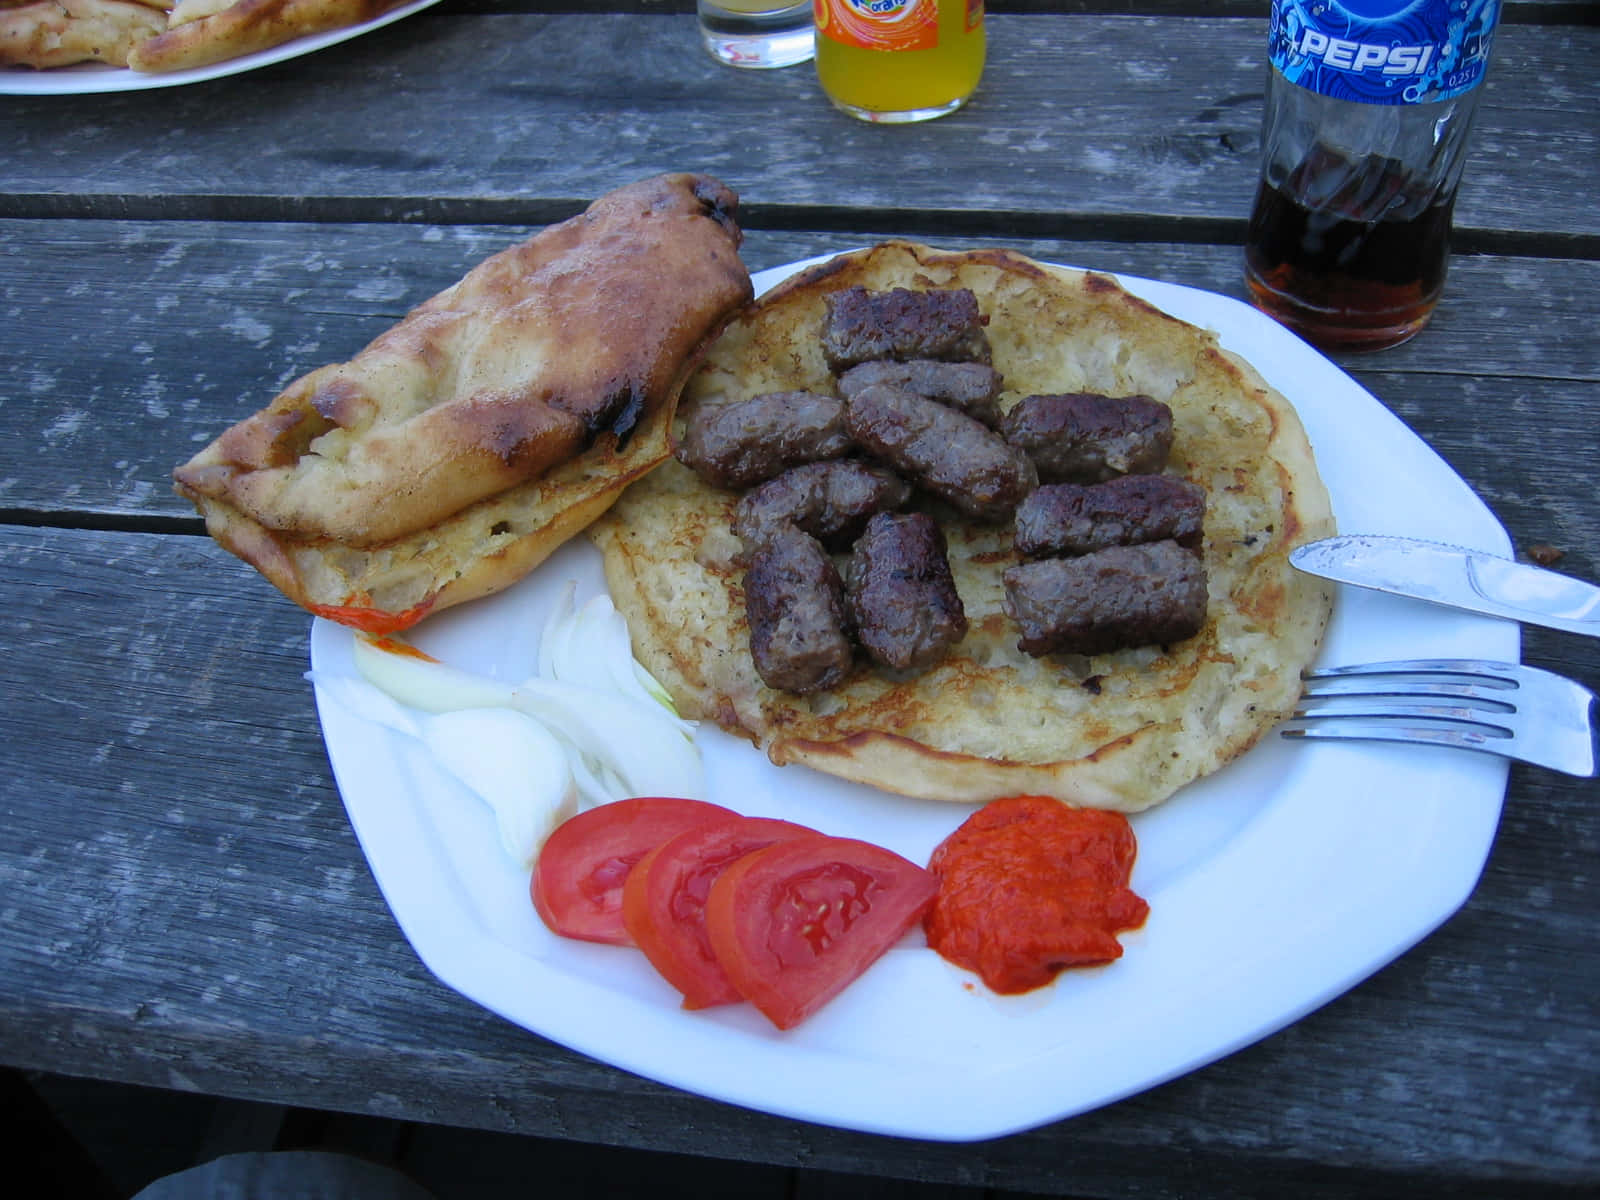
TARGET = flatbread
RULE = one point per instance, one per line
(462, 446)
(164, 35)
(1122, 730)
(203, 32)
(59, 33)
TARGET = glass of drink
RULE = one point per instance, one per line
(896, 61)
(757, 33)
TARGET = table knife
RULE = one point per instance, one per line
(1474, 580)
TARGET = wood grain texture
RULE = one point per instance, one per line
(214, 319)
(184, 903)
(186, 907)
(1563, 11)
(1079, 119)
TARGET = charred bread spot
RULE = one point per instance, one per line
(618, 413)
(720, 203)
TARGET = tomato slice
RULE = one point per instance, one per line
(664, 899)
(794, 924)
(577, 880)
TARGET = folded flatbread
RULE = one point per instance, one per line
(461, 447)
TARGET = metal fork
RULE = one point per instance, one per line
(1499, 708)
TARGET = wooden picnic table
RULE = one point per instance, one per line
(182, 900)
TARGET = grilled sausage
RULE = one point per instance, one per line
(1112, 599)
(794, 601)
(972, 387)
(1070, 518)
(902, 595)
(740, 444)
(831, 500)
(944, 451)
(1081, 437)
(862, 325)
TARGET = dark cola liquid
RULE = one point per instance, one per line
(1351, 254)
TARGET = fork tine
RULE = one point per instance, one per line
(1507, 709)
(1495, 697)
(1389, 708)
(1384, 730)
(1509, 674)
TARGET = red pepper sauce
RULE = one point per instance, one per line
(373, 620)
(1028, 887)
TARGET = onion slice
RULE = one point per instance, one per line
(504, 757)
(619, 743)
(421, 681)
(515, 765)
(590, 645)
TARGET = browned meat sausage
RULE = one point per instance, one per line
(794, 600)
(1071, 518)
(1081, 437)
(903, 598)
(861, 325)
(738, 445)
(946, 452)
(972, 387)
(832, 501)
(1122, 596)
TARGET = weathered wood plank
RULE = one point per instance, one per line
(1080, 119)
(186, 907)
(209, 321)
(1527, 11)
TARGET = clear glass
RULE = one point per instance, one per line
(759, 34)
(1349, 238)
(895, 86)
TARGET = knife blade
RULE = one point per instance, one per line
(1474, 580)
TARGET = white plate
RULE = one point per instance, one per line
(1274, 885)
(85, 78)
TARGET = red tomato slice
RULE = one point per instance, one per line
(793, 924)
(577, 880)
(664, 899)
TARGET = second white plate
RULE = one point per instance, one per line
(87, 78)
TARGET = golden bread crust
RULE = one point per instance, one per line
(496, 420)
(1121, 730)
(245, 27)
(59, 33)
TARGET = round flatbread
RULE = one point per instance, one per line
(1122, 730)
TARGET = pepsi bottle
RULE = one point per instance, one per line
(1368, 110)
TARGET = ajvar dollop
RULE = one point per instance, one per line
(1029, 886)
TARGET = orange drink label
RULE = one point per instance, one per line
(880, 24)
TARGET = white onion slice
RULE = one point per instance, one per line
(424, 682)
(590, 646)
(618, 745)
(515, 765)
(504, 757)
(638, 742)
